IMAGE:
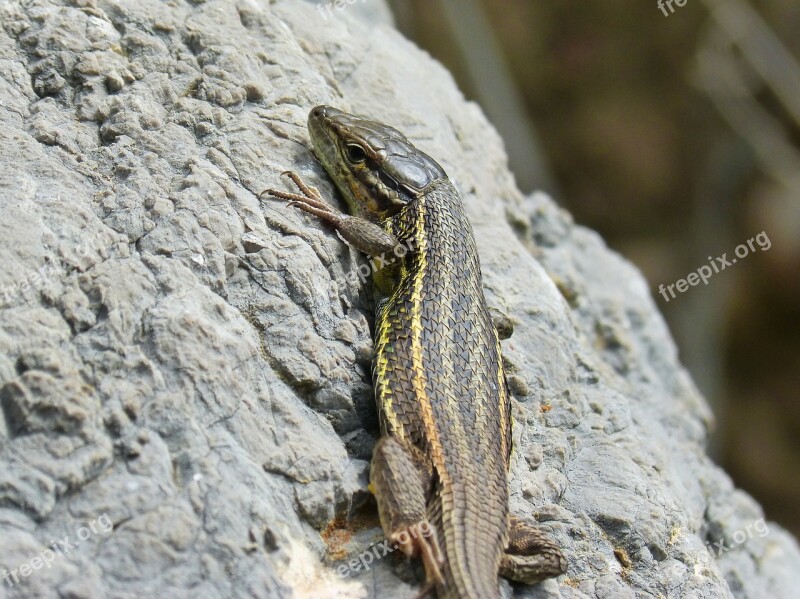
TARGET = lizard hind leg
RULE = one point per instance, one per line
(399, 479)
(531, 555)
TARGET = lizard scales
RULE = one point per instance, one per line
(441, 393)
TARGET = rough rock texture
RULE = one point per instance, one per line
(185, 407)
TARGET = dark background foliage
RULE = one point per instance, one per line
(677, 137)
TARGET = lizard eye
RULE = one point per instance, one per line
(356, 153)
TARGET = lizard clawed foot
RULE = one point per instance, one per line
(310, 201)
(426, 590)
(308, 190)
(362, 234)
(413, 544)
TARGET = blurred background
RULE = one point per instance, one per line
(674, 131)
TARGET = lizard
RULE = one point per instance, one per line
(441, 462)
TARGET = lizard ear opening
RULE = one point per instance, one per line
(404, 193)
(407, 193)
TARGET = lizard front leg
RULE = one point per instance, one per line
(531, 555)
(362, 234)
(399, 479)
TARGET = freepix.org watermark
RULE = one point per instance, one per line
(23, 289)
(663, 5)
(738, 538)
(378, 262)
(714, 266)
(326, 10)
(363, 562)
(56, 550)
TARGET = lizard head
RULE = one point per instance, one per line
(377, 170)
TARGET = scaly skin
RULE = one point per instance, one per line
(441, 392)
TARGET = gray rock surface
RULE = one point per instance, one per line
(185, 407)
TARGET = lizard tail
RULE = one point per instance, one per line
(473, 541)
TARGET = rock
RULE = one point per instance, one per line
(185, 403)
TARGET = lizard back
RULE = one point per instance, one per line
(440, 384)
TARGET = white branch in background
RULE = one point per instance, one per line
(720, 75)
(762, 48)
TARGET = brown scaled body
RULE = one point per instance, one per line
(441, 465)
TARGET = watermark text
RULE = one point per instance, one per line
(667, 5)
(56, 550)
(326, 10)
(378, 262)
(363, 562)
(717, 548)
(714, 266)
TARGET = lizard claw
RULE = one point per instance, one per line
(426, 590)
(426, 546)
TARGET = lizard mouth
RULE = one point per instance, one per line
(319, 120)
(325, 125)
